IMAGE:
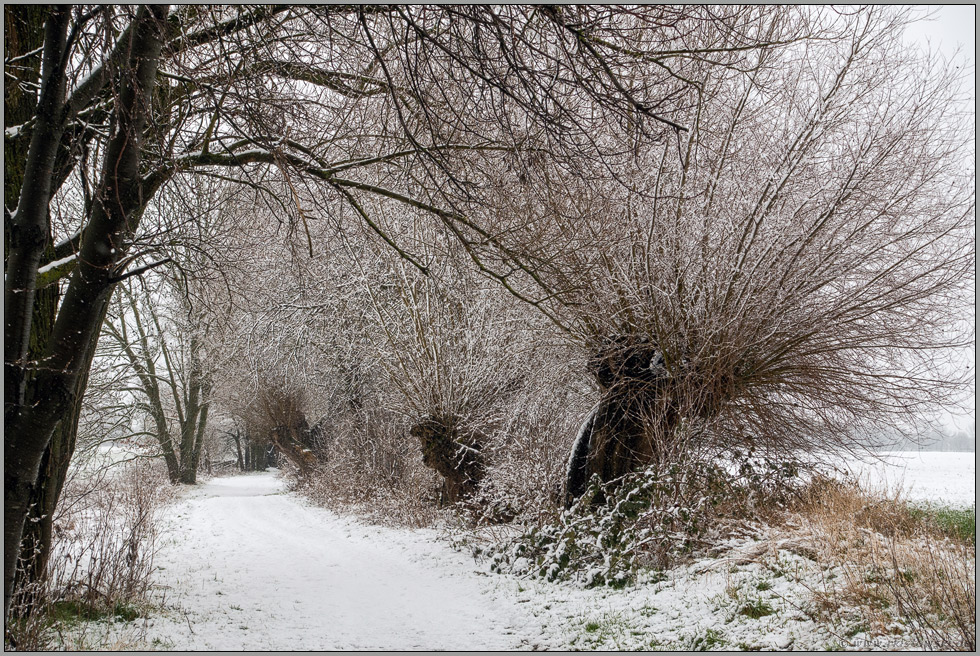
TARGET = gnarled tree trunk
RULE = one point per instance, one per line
(454, 453)
(633, 421)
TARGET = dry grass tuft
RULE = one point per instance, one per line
(888, 568)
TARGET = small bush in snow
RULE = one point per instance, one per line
(101, 562)
(643, 521)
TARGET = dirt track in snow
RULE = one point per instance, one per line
(250, 566)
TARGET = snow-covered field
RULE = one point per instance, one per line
(245, 564)
(931, 476)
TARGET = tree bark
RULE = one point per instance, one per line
(23, 33)
(194, 420)
(115, 216)
(188, 427)
(632, 421)
(457, 456)
(202, 426)
(28, 226)
(36, 542)
(24, 29)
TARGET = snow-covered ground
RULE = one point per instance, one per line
(250, 566)
(246, 564)
(930, 476)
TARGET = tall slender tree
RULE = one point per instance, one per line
(166, 359)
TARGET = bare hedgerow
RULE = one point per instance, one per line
(371, 465)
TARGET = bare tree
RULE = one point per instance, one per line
(129, 101)
(68, 350)
(165, 355)
(456, 347)
(793, 275)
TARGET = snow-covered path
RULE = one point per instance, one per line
(251, 566)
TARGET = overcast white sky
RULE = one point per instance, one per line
(952, 26)
(951, 32)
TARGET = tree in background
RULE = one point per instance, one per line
(164, 354)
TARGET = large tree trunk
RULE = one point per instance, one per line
(633, 421)
(36, 542)
(24, 33)
(114, 217)
(620, 435)
(202, 425)
(26, 233)
(189, 429)
(27, 229)
(455, 454)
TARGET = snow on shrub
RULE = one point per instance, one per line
(617, 533)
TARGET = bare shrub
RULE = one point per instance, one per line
(101, 563)
(648, 520)
(527, 454)
(369, 463)
(935, 588)
(105, 536)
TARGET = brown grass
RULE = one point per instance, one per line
(887, 569)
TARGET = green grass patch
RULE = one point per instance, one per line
(958, 523)
(74, 611)
(708, 641)
(756, 608)
(610, 631)
(747, 646)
